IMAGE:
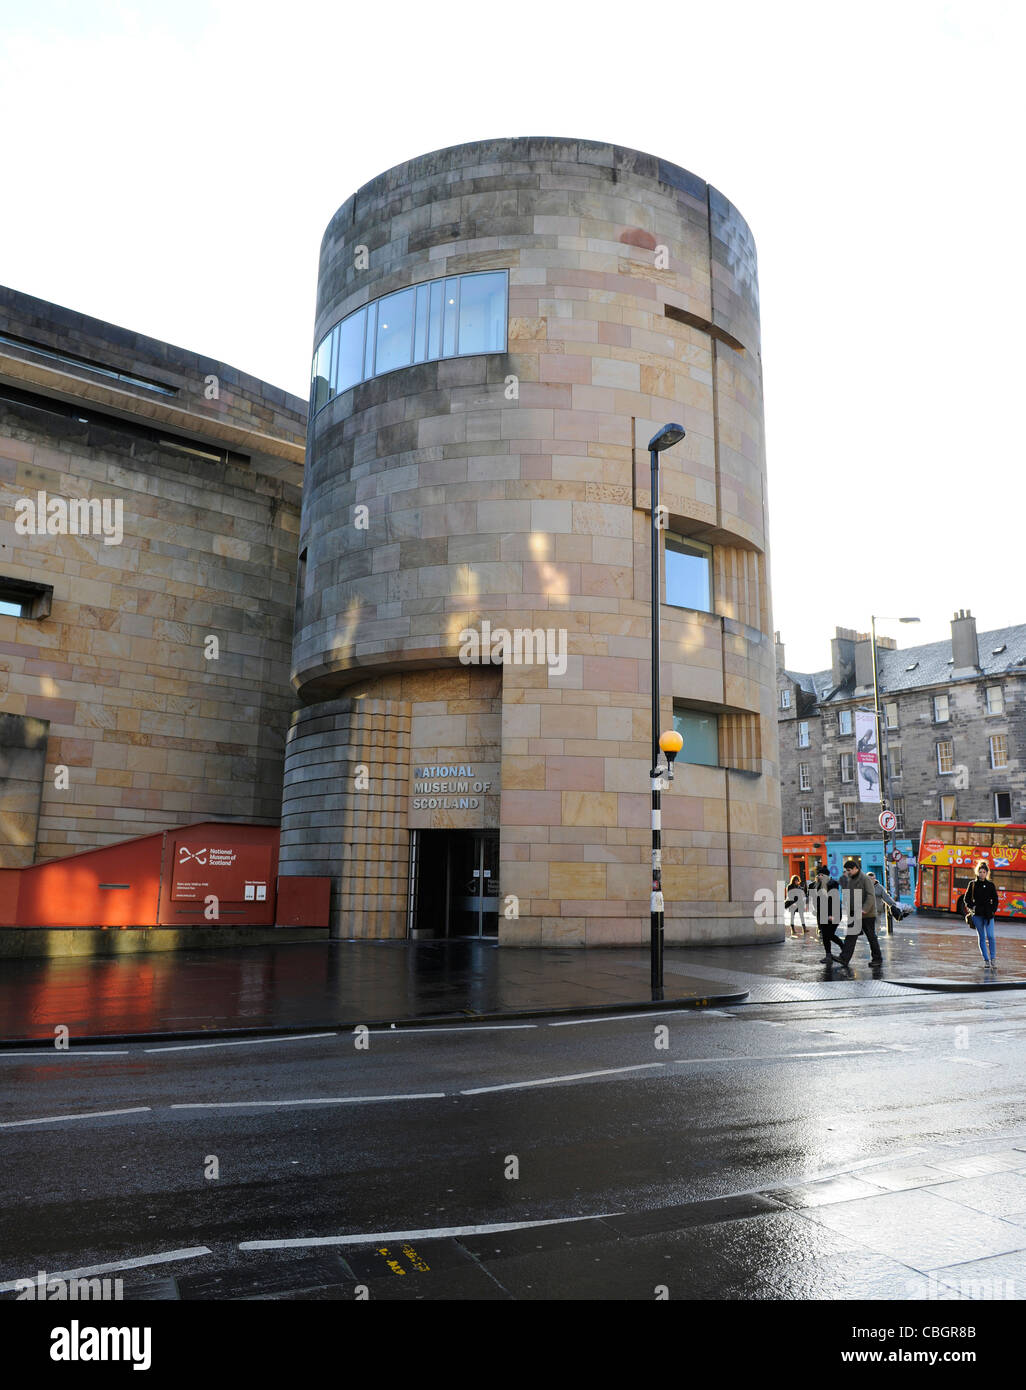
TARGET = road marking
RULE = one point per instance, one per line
(642, 1014)
(782, 1056)
(436, 1233)
(557, 1080)
(969, 1061)
(463, 1028)
(56, 1119)
(320, 1100)
(29, 1055)
(244, 1042)
(165, 1257)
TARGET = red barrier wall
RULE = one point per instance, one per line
(69, 892)
(303, 902)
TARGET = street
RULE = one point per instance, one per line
(845, 1148)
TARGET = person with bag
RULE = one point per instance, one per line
(860, 909)
(882, 896)
(981, 905)
(794, 903)
(825, 903)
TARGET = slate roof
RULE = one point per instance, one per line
(931, 666)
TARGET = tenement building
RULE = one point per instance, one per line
(501, 327)
(953, 729)
(149, 514)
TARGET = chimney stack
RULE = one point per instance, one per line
(965, 646)
(779, 651)
(842, 655)
(864, 661)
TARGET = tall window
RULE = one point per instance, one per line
(700, 732)
(454, 317)
(785, 699)
(946, 757)
(998, 751)
(898, 807)
(891, 714)
(844, 725)
(804, 780)
(689, 574)
(1002, 805)
(847, 762)
(850, 814)
(806, 820)
(995, 700)
(803, 733)
(947, 808)
(894, 761)
(941, 709)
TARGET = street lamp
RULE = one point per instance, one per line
(670, 742)
(884, 771)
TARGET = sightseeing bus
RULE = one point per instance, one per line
(949, 852)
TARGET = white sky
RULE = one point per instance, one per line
(171, 168)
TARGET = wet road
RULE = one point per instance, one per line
(810, 1150)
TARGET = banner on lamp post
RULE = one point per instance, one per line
(867, 756)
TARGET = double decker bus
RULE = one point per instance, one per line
(949, 851)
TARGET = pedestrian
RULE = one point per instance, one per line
(860, 908)
(794, 903)
(882, 895)
(981, 905)
(825, 902)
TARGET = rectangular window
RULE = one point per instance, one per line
(395, 331)
(891, 714)
(894, 761)
(1002, 805)
(483, 313)
(803, 733)
(998, 751)
(898, 807)
(420, 331)
(24, 598)
(844, 725)
(947, 808)
(701, 735)
(804, 781)
(806, 820)
(785, 699)
(435, 319)
(847, 764)
(850, 813)
(995, 700)
(688, 566)
(450, 316)
(946, 759)
(321, 378)
(371, 339)
(349, 358)
(941, 709)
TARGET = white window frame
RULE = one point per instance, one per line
(997, 813)
(894, 757)
(947, 709)
(804, 784)
(948, 797)
(842, 715)
(849, 817)
(999, 706)
(891, 705)
(898, 807)
(847, 766)
(806, 820)
(785, 699)
(994, 738)
(946, 772)
(803, 733)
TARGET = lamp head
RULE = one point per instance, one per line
(671, 743)
(666, 438)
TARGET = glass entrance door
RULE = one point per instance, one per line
(475, 876)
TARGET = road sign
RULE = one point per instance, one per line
(887, 820)
(897, 857)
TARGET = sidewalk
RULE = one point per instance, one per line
(300, 986)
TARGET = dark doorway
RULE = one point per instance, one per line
(454, 883)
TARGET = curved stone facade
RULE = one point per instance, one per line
(508, 491)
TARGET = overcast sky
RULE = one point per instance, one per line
(171, 168)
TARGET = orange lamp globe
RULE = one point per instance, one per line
(671, 743)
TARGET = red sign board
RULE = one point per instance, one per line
(231, 873)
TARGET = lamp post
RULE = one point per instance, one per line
(884, 770)
(663, 439)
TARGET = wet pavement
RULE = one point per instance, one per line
(329, 984)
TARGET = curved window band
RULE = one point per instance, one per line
(458, 316)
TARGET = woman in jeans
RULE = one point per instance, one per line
(981, 904)
(794, 903)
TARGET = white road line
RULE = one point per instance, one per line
(57, 1119)
(558, 1080)
(320, 1100)
(165, 1257)
(968, 1061)
(244, 1042)
(463, 1028)
(642, 1015)
(431, 1233)
(781, 1056)
(32, 1055)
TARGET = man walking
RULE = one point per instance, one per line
(825, 902)
(860, 908)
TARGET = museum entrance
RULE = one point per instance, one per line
(454, 884)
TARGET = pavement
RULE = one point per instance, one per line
(297, 986)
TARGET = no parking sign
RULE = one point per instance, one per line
(887, 820)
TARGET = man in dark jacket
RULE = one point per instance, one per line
(825, 902)
(860, 906)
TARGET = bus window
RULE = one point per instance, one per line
(1013, 838)
(926, 885)
(943, 898)
(979, 836)
(946, 834)
(1009, 881)
(960, 882)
